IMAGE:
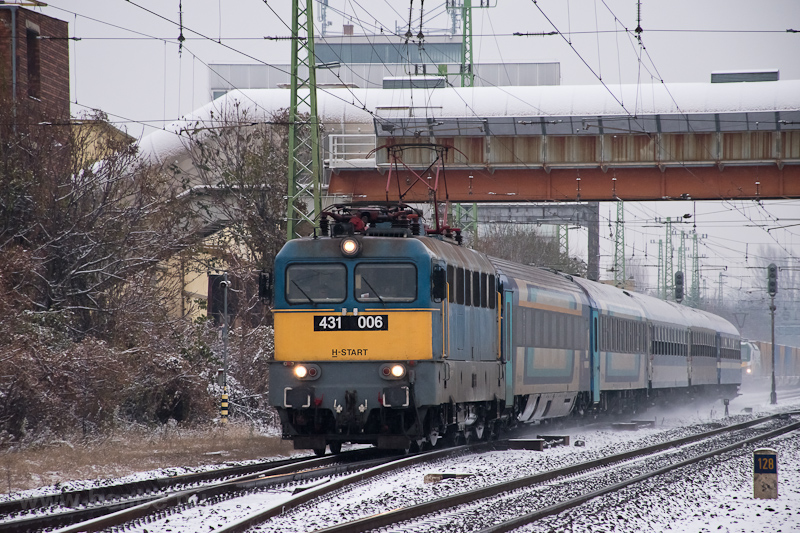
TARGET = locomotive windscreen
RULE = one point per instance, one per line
(382, 282)
(316, 283)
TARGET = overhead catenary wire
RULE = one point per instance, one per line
(765, 206)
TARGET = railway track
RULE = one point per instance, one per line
(173, 499)
(138, 511)
(70, 507)
(470, 509)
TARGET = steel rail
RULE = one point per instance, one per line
(96, 495)
(416, 511)
(306, 496)
(574, 502)
(284, 471)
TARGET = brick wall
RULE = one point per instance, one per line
(47, 90)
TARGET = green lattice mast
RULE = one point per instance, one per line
(695, 272)
(662, 289)
(669, 271)
(619, 247)
(467, 74)
(562, 234)
(682, 253)
(304, 197)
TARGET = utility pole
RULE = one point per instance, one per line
(695, 273)
(562, 236)
(619, 247)
(669, 276)
(304, 183)
(662, 286)
(467, 74)
(465, 217)
(682, 253)
(464, 9)
(323, 17)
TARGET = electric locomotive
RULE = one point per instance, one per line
(392, 334)
(365, 350)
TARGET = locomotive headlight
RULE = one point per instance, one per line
(749, 370)
(350, 247)
(307, 372)
(398, 371)
(392, 371)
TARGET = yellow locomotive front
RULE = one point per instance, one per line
(355, 316)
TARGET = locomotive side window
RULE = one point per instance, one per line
(476, 289)
(484, 290)
(316, 283)
(386, 282)
(467, 287)
(492, 291)
(460, 286)
(451, 279)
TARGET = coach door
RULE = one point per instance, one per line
(506, 348)
(594, 360)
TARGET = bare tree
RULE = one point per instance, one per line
(84, 303)
(79, 229)
(527, 246)
(239, 181)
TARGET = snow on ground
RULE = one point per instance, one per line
(84, 484)
(716, 496)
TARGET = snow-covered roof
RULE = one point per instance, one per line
(362, 106)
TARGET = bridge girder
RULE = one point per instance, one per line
(713, 182)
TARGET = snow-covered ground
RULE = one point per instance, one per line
(713, 496)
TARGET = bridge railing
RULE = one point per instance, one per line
(351, 150)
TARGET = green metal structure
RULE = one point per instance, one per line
(695, 294)
(682, 253)
(662, 289)
(669, 269)
(467, 74)
(465, 216)
(619, 247)
(562, 234)
(304, 195)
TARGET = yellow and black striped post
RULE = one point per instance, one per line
(223, 409)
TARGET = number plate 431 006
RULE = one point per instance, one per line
(351, 323)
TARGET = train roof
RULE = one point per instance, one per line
(458, 255)
(711, 321)
(611, 299)
(539, 277)
(657, 310)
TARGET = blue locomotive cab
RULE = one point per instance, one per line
(368, 301)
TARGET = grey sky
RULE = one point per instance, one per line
(143, 82)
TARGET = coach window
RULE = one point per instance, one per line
(451, 280)
(386, 282)
(316, 283)
(460, 286)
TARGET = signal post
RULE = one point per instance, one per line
(772, 289)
